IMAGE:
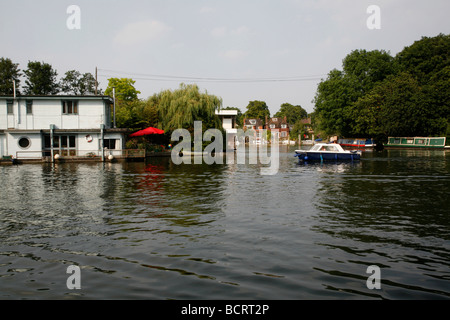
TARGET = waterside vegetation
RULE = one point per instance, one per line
(378, 95)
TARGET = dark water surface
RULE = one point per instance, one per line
(156, 230)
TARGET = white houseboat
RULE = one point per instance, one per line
(60, 127)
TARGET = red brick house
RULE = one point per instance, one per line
(257, 125)
(280, 127)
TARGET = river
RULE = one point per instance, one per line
(156, 230)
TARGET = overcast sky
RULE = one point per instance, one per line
(217, 43)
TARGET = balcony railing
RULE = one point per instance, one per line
(81, 154)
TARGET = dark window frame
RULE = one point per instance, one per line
(69, 107)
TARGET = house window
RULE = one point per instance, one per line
(9, 107)
(252, 121)
(275, 119)
(110, 144)
(284, 134)
(24, 143)
(272, 126)
(70, 107)
(283, 126)
(29, 105)
(65, 145)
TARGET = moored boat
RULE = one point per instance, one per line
(327, 152)
(357, 143)
(417, 142)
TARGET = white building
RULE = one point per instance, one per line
(41, 127)
(228, 118)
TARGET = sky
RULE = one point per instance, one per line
(275, 51)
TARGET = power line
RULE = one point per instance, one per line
(156, 77)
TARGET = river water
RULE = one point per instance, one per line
(156, 230)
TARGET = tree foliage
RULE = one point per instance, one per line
(180, 108)
(377, 95)
(292, 113)
(40, 79)
(137, 114)
(425, 57)
(257, 110)
(124, 89)
(78, 84)
(9, 72)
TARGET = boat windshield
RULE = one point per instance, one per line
(324, 147)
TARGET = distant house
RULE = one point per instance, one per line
(308, 133)
(279, 127)
(308, 125)
(41, 127)
(257, 125)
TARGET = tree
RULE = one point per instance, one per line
(368, 67)
(257, 110)
(335, 96)
(40, 79)
(428, 61)
(9, 72)
(180, 108)
(124, 88)
(397, 107)
(137, 114)
(76, 83)
(291, 112)
(425, 57)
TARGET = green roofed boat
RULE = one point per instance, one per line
(417, 142)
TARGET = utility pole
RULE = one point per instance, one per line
(96, 82)
(114, 98)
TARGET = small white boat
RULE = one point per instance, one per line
(327, 152)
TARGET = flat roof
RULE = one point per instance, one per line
(227, 112)
(58, 97)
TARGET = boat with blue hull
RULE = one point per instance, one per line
(327, 152)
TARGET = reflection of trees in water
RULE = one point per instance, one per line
(182, 194)
(194, 192)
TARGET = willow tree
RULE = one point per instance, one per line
(180, 108)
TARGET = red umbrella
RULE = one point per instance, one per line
(147, 131)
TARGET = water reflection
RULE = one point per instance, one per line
(392, 212)
(158, 230)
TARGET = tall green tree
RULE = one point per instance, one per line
(137, 114)
(9, 72)
(415, 101)
(335, 96)
(291, 112)
(78, 84)
(124, 89)
(397, 107)
(40, 79)
(425, 57)
(257, 110)
(368, 67)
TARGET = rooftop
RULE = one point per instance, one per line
(58, 97)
